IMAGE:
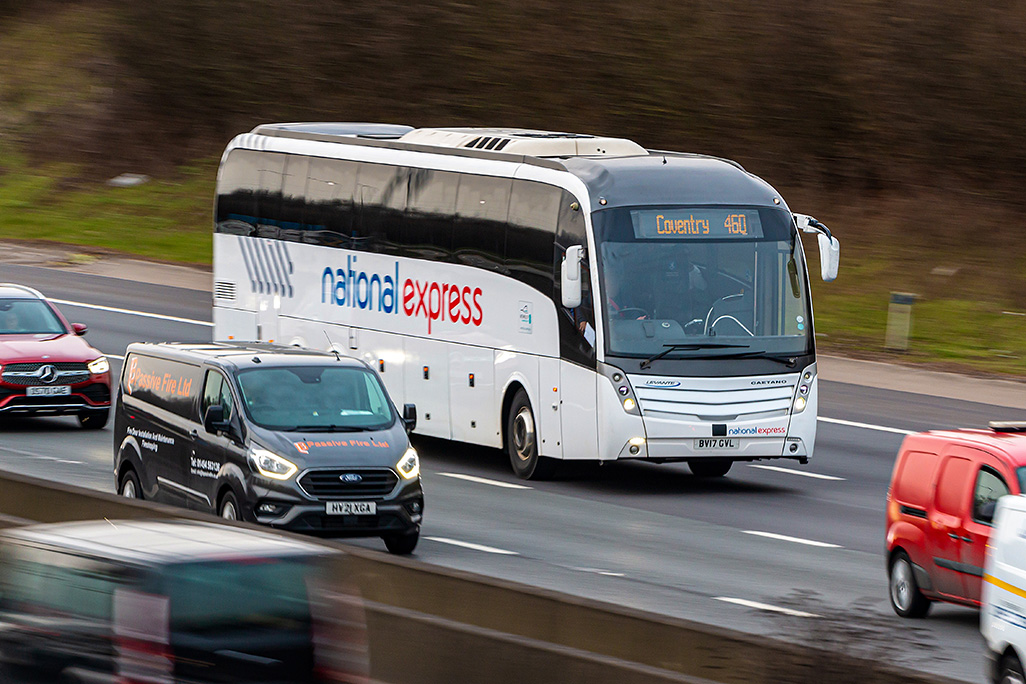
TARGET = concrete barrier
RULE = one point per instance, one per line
(429, 624)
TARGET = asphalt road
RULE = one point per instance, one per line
(646, 536)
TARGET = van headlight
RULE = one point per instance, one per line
(99, 366)
(271, 465)
(409, 465)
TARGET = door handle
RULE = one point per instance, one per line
(954, 536)
(967, 540)
(194, 434)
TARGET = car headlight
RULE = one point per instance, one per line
(409, 465)
(271, 465)
(99, 366)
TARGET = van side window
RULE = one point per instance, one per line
(217, 391)
(989, 488)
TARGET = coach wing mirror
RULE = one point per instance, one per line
(213, 419)
(410, 417)
(80, 328)
(829, 247)
(570, 276)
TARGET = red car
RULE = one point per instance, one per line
(940, 509)
(46, 368)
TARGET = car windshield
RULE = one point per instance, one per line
(28, 317)
(705, 282)
(324, 398)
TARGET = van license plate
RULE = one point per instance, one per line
(717, 443)
(352, 508)
(48, 391)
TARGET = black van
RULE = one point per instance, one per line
(298, 439)
(174, 601)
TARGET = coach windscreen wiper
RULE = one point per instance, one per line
(689, 346)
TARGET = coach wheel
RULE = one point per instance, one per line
(130, 488)
(906, 599)
(93, 420)
(229, 507)
(710, 467)
(522, 441)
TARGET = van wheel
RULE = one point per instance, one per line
(129, 487)
(1011, 670)
(906, 599)
(710, 467)
(522, 441)
(401, 544)
(93, 420)
(229, 507)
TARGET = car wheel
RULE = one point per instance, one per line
(710, 467)
(522, 442)
(94, 420)
(229, 509)
(401, 544)
(906, 599)
(1011, 670)
(129, 487)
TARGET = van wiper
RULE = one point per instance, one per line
(326, 428)
(689, 346)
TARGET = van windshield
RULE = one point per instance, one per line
(324, 398)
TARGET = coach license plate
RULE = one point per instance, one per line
(352, 508)
(717, 443)
(48, 391)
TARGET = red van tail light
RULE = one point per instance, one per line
(142, 631)
(143, 662)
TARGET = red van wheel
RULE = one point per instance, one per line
(906, 599)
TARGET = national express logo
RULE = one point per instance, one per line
(431, 300)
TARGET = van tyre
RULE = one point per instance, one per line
(1011, 670)
(401, 544)
(93, 420)
(522, 441)
(906, 598)
(129, 486)
(229, 508)
(710, 467)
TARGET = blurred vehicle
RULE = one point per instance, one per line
(46, 368)
(1003, 613)
(174, 601)
(940, 510)
(559, 295)
(303, 440)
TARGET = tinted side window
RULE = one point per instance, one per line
(45, 582)
(268, 197)
(216, 390)
(238, 184)
(533, 215)
(482, 208)
(379, 201)
(576, 326)
(329, 195)
(293, 198)
(166, 384)
(431, 214)
(989, 488)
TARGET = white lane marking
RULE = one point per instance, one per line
(867, 426)
(66, 460)
(765, 606)
(607, 573)
(144, 314)
(789, 471)
(796, 540)
(481, 480)
(41, 457)
(475, 547)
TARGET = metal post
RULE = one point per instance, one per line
(899, 320)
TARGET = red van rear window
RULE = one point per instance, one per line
(914, 482)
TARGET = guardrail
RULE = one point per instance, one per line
(429, 624)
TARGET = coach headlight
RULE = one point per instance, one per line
(409, 465)
(271, 465)
(99, 366)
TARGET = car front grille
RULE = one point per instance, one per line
(328, 484)
(68, 373)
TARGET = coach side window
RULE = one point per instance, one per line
(431, 210)
(329, 195)
(379, 202)
(236, 193)
(482, 208)
(533, 213)
(292, 203)
(577, 326)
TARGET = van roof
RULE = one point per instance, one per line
(1009, 445)
(233, 353)
(160, 542)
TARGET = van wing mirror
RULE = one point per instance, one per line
(410, 417)
(829, 247)
(570, 276)
(213, 419)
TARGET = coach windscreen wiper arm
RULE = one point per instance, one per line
(688, 346)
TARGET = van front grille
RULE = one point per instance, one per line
(349, 483)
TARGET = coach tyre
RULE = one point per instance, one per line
(522, 441)
(130, 488)
(710, 467)
(93, 420)
(906, 599)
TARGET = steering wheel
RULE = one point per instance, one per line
(632, 313)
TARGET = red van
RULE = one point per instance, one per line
(940, 507)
